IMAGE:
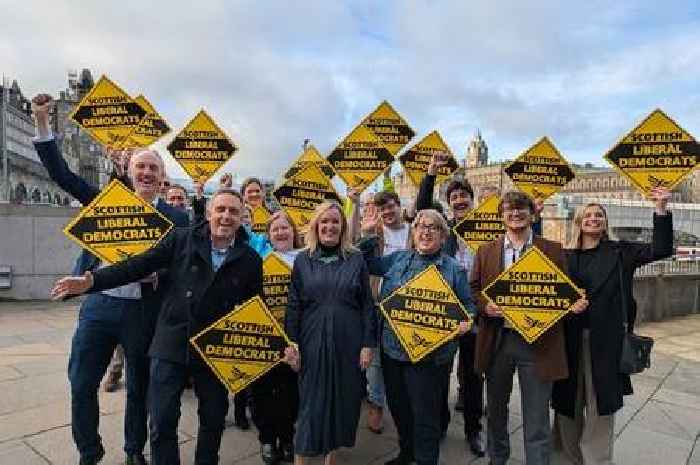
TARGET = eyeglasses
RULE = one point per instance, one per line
(430, 228)
(512, 211)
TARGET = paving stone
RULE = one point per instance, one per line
(641, 447)
(669, 419)
(9, 373)
(17, 452)
(27, 422)
(27, 393)
(679, 398)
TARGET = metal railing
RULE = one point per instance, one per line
(669, 267)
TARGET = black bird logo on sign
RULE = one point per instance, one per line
(123, 255)
(419, 341)
(656, 182)
(532, 323)
(238, 375)
(199, 171)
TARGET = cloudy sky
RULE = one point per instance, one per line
(582, 73)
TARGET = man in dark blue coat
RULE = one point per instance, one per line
(124, 315)
(212, 270)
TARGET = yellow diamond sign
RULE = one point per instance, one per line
(259, 219)
(416, 159)
(300, 194)
(533, 293)
(118, 224)
(107, 113)
(243, 345)
(424, 313)
(310, 156)
(390, 127)
(481, 225)
(657, 153)
(360, 158)
(276, 278)
(540, 171)
(201, 148)
(151, 128)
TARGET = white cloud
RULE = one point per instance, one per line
(274, 75)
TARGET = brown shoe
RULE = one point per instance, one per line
(111, 383)
(374, 418)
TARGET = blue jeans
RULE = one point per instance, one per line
(375, 381)
(167, 383)
(103, 323)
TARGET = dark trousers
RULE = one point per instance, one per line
(414, 393)
(512, 353)
(472, 385)
(103, 323)
(275, 405)
(167, 384)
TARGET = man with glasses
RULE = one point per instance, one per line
(500, 350)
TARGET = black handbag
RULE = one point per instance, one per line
(636, 349)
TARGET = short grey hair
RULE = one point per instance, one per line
(437, 218)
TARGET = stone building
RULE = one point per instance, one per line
(28, 180)
(24, 179)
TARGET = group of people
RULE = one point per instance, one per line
(353, 256)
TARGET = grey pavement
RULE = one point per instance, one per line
(660, 423)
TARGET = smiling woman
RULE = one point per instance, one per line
(330, 316)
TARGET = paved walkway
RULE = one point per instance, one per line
(660, 424)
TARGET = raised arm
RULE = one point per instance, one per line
(51, 157)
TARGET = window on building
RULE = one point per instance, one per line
(20, 193)
(36, 195)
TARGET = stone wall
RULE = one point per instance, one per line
(664, 296)
(33, 243)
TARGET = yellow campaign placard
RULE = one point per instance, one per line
(310, 156)
(416, 159)
(107, 113)
(424, 313)
(656, 153)
(118, 224)
(151, 128)
(540, 171)
(300, 194)
(243, 345)
(259, 219)
(276, 278)
(390, 127)
(360, 158)
(201, 148)
(533, 293)
(481, 225)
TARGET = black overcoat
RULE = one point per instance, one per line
(329, 314)
(605, 317)
(196, 295)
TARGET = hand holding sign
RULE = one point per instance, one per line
(292, 357)
(661, 196)
(579, 306)
(493, 310)
(438, 160)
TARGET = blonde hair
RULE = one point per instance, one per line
(576, 233)
(437, 218)
(311, 238)
(282, 215)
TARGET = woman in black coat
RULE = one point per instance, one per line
(594, 337)
(329, 315)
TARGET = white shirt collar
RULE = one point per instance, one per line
(507, 244)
